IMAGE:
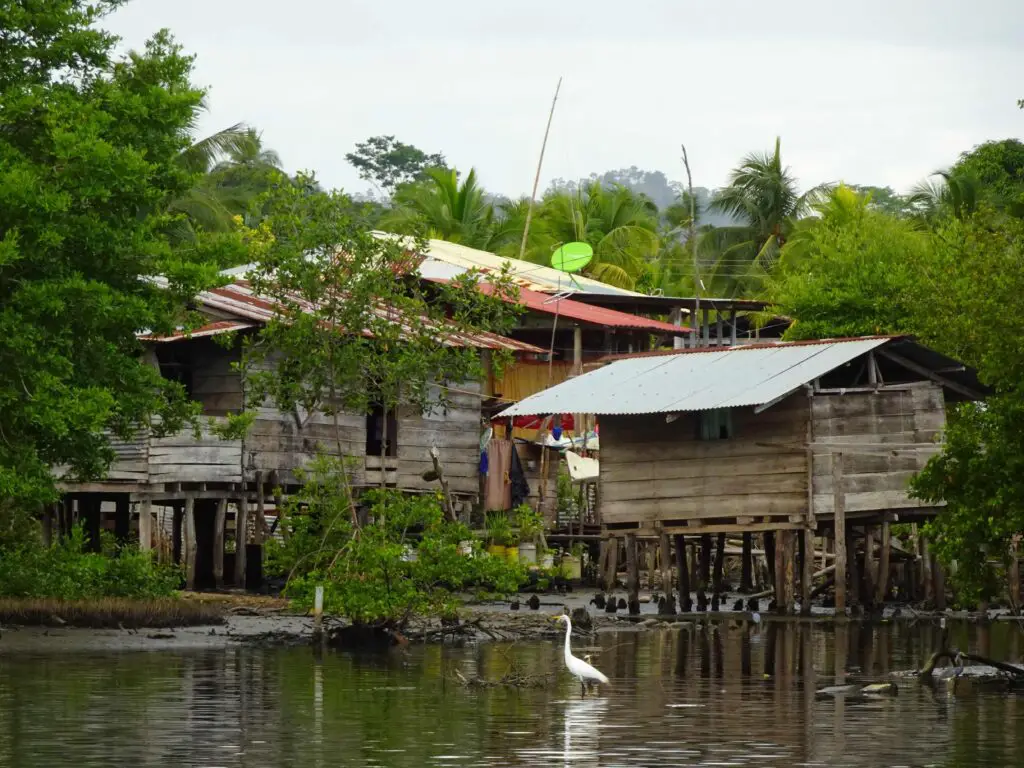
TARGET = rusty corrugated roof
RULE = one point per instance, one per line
(209, 329)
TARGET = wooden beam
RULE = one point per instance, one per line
(840, 532)
(929, 374)
(666, 573)
(218, 542)
(632, 574)
(806, 570)
(191, 546)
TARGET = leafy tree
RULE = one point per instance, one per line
(388, 163)
(89, 157)
(944, 194)
(884, 200)
(998, 169)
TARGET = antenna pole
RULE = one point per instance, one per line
(693, 245)
(536, 179)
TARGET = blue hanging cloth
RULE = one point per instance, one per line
(483, 463)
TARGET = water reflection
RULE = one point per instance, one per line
(698, 695)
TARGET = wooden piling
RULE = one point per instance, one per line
(704, 572)
(868, 571)
(1014, 573)
(769, 556)
(882, 583)
(853, 586)
(683, 574)
(666, 574)
(746, 564)
(839, 503)
(610, 576)
(719, 570)
(241, 539)
(191, 546)
(632, 574)
(789, 571)
(806, 569)
(218, 542)
(145, 525)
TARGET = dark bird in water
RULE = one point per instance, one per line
(622, 604)
(598, 601)
(714, 603)
(738, 605)
(702, 602)
(533, 602)
(515, 605)
(610, 606)
(753, 604)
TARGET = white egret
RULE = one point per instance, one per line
(582, 671)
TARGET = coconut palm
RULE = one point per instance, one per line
(944, 193)
(443, 207)
(620, 225)
(762, 195)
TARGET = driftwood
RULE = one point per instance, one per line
(945, 653)
(818, 574)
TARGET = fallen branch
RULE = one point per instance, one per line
(945, 653)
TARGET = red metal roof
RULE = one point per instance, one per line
(586, 313)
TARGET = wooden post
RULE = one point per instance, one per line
(868, 577)
(789, 571)
(261, 510)
(882, 583)
(218, 542)
(839, 503)
(632, 574)
(806, 570)
(178, 525)
(719, 570)
(666, 574)
(926, 570)
(610, 577)
(241, 539)
(779, 569)
(769, 555)
(746, 564)
(191, 546)
(704, 575)
(577, 350)
(446, 494)
(853, 587)
(145, 525)
(683, 574)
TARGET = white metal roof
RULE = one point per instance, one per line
(696, 380)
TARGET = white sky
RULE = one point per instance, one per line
(871, 92)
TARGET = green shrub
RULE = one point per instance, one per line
(66, 571)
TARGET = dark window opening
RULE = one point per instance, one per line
(176, 365)
(375, 437)
(716, 424)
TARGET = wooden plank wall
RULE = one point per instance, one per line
(216, 383)
(456, 433)
(909, 421)
(652, 470)
(181, 458)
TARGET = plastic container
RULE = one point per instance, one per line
(512, 554)
(547, 560)
(573, 567)
(496, 550)
(528, 553)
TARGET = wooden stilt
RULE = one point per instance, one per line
(839, 504)
(806, 570)
(747, 564)
(719, 571)
(145, 525)
(683, 574)
(649, 557)
(778, 566)
(611, 578)
(632, 574)
(191, 545)
(939, 577)
(218, 542)
(241, 539)
(704, 572)
(769, 555)
(789, 571)
(868, 574)
(882, 583)
(853, 585)
(666, 574)
(927, 580)
(122, 519)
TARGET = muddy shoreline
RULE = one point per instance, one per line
(268, 622)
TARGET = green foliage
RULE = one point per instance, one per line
(440, 206)
(66, 571)
(997, 167)
(388, 163)
(404, 561)
(89, 148)
(499, 528)
(529, 522)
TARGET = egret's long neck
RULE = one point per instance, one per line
(568, 632)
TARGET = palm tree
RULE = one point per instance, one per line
(248, 152)
(442, 207)
(620, 225)
(762, 194)
(944, 193)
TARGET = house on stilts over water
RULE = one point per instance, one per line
(796, 441)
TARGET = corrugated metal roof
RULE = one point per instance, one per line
(240, 300)
(697, 380)
(209, 329)
(444, 260)
(585, 313)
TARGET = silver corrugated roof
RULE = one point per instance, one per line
(696, 380)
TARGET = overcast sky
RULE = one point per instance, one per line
(872, 92)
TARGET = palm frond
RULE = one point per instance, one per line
(203, 154)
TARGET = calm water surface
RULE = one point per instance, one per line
(720, 696)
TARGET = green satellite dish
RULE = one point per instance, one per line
(572, 257)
